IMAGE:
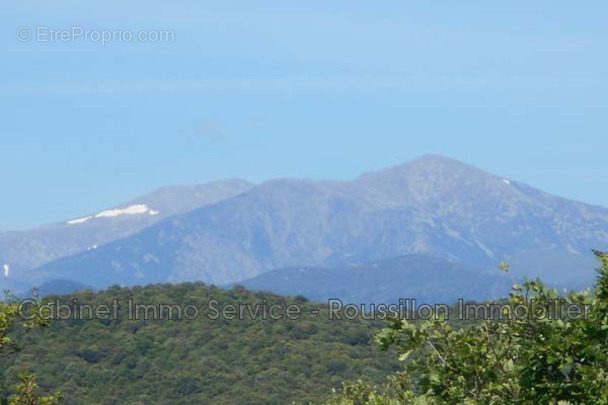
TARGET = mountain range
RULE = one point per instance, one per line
(234, 231)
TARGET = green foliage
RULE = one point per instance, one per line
(8, 315)
(26, 393)
(200, 361)
(514, 361)
(25, 390)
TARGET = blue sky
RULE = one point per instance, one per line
(296, 89)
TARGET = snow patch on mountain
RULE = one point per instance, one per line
(136, 209)
(130, 210)
(79, 220)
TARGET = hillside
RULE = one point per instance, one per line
(199, 361)
(424, 278)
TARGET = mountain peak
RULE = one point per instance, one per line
(434, 158)
(430, 164)
(428, 179)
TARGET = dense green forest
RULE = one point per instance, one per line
(202, 360)
(549, 356)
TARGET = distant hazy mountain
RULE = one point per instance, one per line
(424, 278)
(59, 287)
(21, 251)
(433, 205)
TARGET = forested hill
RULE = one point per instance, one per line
(206, 361)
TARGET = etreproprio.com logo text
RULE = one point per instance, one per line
(98, 36)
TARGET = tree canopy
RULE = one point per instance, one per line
(518, 360)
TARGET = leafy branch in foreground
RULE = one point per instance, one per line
(516, 360)
(9, 315)
(26, 388)
(25, 393)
